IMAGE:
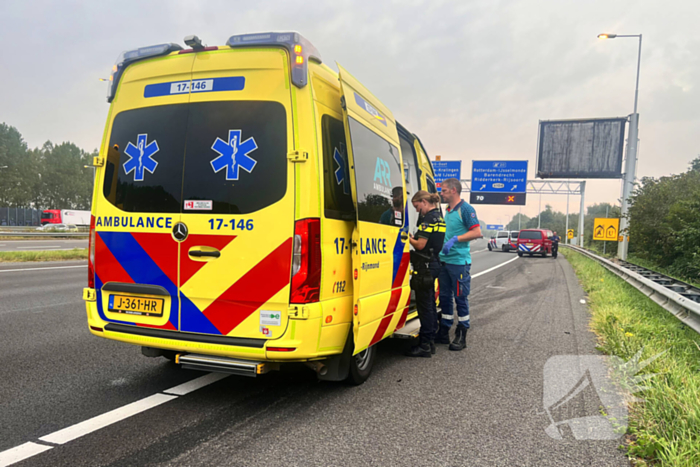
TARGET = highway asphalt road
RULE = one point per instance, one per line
(41, 245)
(482, 406)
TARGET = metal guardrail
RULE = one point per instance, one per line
(679, 298)
(44, 234)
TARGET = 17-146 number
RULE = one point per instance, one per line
(217, 224)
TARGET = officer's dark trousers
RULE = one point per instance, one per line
(555, 250)
(427, 312)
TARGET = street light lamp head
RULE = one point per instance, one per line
(607, 36)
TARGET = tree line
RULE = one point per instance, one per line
(50, 177)
(664, 223)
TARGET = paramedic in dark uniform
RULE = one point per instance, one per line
(555, 244)
(427, 245)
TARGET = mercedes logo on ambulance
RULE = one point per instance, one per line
(180, 232)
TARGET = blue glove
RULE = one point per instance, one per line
(448, 245)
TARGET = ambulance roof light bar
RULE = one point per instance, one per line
(131, 56)
(300, 50)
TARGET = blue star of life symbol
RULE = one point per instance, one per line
(141, 157)
(340, 176)
(234, 154)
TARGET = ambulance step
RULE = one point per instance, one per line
(222, 364)
(409, 330)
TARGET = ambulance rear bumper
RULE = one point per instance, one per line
(186, 336)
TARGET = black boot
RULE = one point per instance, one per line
(443, 335)
(460, 341)
(421, 350)
(432, 347)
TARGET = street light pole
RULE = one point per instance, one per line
(631, 160)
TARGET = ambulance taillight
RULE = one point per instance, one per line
(306, 261)
(91, 254)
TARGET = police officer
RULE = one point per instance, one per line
(555, 244)
(427, 244)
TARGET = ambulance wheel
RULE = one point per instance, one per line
(361, 366)
(520, 253)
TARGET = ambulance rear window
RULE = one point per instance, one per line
(236, 155)
(143, 171)
(232, 154)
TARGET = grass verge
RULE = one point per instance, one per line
(63, 255)
(664, 429)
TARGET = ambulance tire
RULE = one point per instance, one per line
(361, 366)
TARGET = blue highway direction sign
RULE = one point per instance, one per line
(516, 199)
(494, 226)
(445, 170)
(499, 176)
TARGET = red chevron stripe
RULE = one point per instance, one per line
(404, 315)
(393, 300)
(252, 290)
(384, 324)
(162, 249)
(403, 267)
(107, 266)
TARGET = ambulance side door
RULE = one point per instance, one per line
(380, 255)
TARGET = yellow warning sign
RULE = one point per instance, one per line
(570, 234)
(606, 229)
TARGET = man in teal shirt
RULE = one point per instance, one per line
(462, 226)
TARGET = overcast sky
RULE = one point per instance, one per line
(471, 78)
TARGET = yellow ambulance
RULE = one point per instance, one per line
(251, 208)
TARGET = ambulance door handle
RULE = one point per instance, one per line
(199, 253)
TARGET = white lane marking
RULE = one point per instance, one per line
(43, 269)
(63, 436)
(21, 452)
(106, 419)
(493, 268)
(475, 252)
(188, 387)
(35, 247)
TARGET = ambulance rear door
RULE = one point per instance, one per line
(136, 255)
(238, 196)
(380, 239)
